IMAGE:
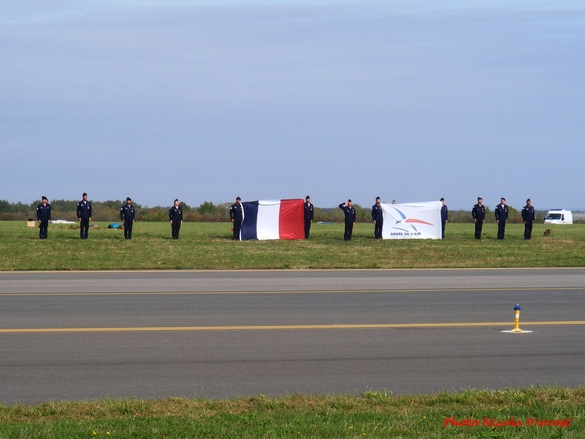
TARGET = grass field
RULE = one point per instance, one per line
(373, 415)
(208, 246)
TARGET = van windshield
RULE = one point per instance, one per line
(554, 216)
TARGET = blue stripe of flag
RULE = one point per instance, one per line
(248, 230)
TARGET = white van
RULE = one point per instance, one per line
(559, 216)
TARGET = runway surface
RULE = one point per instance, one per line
(88, 335)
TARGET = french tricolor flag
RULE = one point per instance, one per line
(282, 219)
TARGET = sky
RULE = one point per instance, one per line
(209, 100)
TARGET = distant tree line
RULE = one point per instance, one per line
(207, 212)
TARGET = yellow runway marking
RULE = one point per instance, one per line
(289, 327)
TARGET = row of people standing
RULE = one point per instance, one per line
(501, 214)
(128, 215)
(84, 213)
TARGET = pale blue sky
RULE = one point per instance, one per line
(204, 101)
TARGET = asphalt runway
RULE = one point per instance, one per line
(88, 335)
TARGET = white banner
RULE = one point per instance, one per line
(412, 220)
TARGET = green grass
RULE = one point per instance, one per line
(373, 415)
(208, 246)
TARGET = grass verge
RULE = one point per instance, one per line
(373, 414)
(208, 246)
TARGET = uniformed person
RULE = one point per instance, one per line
(309, 214)
(444, 217)
(349, 212)
(378, 218)
(127, 215)
(478, 214)
(43, 217)
(236, 217)
(176, 219)
(501, 214)
(528, 216)
(84, 216)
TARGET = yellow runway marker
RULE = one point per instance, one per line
(283, 327)
(517, 329)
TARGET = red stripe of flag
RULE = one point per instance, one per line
(291, 220)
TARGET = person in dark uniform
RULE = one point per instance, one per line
(176, 219)
(378, 218)
(127, 216)
(501, 213)
(444, 217)
(236, 217)
(309, 214)
(528, 216)
(44, 216)
(478, 214)
(84, 216)
(349, 212)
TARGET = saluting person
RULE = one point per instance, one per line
(528, 216)
(176, 219)
(349, 212)
(308, 216)
(378, 218)
(84, 216)
(43, 217)
(236, 217)
(478, 214)
(501, 214)
(127, 215)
